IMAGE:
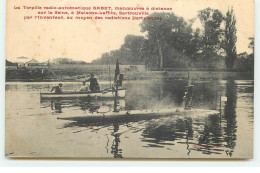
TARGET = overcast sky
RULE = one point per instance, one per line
(86, 40)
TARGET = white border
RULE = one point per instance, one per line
(80, 163)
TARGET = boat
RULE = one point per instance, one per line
(115, 93)
(103, 94)
(135, 115)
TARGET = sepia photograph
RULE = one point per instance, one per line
(103, 79)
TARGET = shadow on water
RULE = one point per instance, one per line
(159, 134)
(230, 116)
(115, 150)
(56, 106)
(215, 133)
(181, 130)
(86, 105)
(210, 139)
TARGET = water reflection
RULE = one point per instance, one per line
(86, 105)
(115, 150)
(189, 134)
(160, 133)
(230, 116)
(210, 140)
(90, 104)
(208, 135)
(213, 135)
(165, 130)
(181, 130)
(56, 106)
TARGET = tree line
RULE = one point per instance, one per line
(174, 43)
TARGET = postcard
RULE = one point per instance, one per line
(139, 79)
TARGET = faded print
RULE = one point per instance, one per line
(138, 79)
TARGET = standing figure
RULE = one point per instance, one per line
(188, 96)
(94, 86)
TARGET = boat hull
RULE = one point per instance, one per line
(135, 115)
(104, 94)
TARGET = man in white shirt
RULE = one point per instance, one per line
(84, 87)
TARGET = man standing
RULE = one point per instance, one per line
(94, 86)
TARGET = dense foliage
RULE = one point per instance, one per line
(174, 43)
(230, 39)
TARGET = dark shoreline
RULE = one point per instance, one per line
(149, 75)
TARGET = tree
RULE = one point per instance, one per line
(252, 44)
(250, 59)
(193, 48)
(9, 63)
(131, 52)
(133, 49)
(158, 31)
(230, 39)
(163, 35)
(211, 20)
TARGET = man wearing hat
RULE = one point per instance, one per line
(57, 89)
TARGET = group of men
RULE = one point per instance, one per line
(93, 86)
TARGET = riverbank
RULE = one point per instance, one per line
(145, 75)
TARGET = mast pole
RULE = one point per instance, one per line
(115, 99)
(117, 72)
(109, 76)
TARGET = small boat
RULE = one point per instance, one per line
(104, 94)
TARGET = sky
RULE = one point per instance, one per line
(87, 40)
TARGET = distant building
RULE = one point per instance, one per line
(33, 64)
(21, 64)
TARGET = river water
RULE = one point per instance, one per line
(33, 130)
